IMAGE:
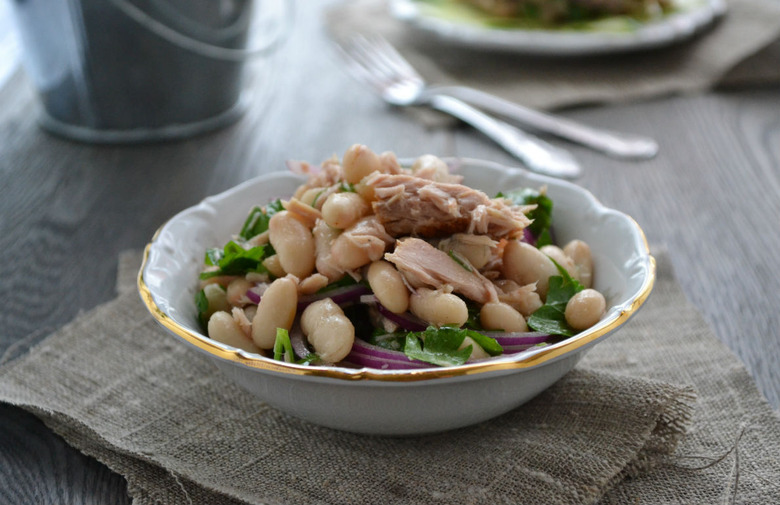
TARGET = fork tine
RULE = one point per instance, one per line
(392, 57)
(365, 51)
(368, 63)
(355, 65)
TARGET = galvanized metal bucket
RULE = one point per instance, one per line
(144, 70)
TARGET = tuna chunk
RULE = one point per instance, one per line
(523, 299)
(424, 265)
(408, 205)
(360, 244)
(306, 214)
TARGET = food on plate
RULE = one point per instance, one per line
(553, 12)
(370, 264)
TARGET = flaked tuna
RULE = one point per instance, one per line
(409, 205)
(360, 244)
(424, 265)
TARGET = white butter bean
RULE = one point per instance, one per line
(477, 352)
(477, 249)
(217, 298)
(389, 163)
(388, 286)
(358, 162)
(293, 243)
(501, 316)
(342, 210)
(579, 252)
(276, 310)
(557, 254)
(236, 292)
(525, 264)
(367, 191)
(223, 328)
(274, 266)
(523, 299)
(324, 236)
(431, 167)
(585, 309)
(312, 284)
(243, 321)
(328, 330)
(259, 239)
(222, 280)
(310, 195)
(349, 255)
(438, 308)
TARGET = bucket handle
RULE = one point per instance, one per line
(204, 48)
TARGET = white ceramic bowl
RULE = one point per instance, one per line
(397, 402)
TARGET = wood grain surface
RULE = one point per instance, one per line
(711, 197)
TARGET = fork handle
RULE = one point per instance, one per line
(619, 145)
(536, 154)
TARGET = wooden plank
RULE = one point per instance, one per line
(68, 209)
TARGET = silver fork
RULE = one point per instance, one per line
(398, 87)
(619, 145)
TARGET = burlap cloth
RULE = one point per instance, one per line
(117, 387)
(737, 50)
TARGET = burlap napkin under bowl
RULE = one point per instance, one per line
(117, 387)
(738, 49)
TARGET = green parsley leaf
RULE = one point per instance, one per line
(542, 215)
(392, 341)
(283, 350)
(258, 218)
(202, 305)
(436, 355)
(550, 317)
(489, 344)
(309, 359)
(235, 260)
(473, 322)
(346, 187)
(439, 346)
(460, 261)
(213, 256)
(316, 197)
(345, 281)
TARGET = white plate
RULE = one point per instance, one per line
(397, 402)
(612, 35)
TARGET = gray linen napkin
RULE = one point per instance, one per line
(735, 51)
(118, 388)
(734, 428)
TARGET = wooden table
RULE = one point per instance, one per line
(712, 198)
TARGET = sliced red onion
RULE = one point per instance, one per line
(527, 338)
(362, 360)
(301, 167)
(362, 351)
(407, 320)
(528, 237)
(372, 356)
(523, 348)
(515, 348)
(362, 347)
(255, 293)
(298, 341)
(340, 296)
(253, 297)
(368, 299)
